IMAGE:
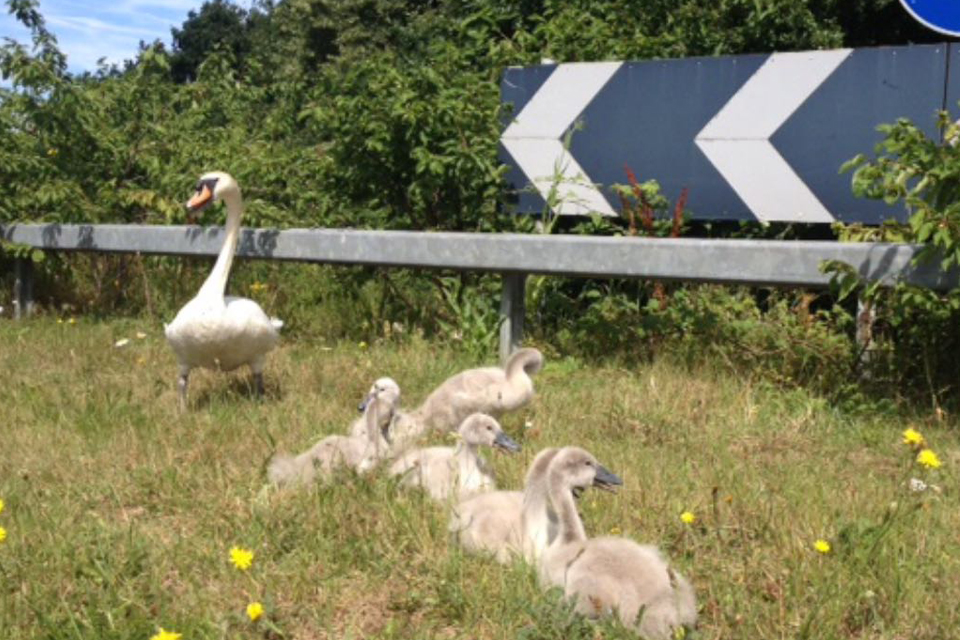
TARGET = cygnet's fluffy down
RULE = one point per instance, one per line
(490, 523)
(458, 471)
(609, 575)
(617, 576)
(358, 453)
(387, 388)
(507, 524)
(490, 390)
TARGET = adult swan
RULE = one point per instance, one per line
(213, 330)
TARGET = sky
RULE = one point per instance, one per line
(111, 29)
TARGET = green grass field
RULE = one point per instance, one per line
(120, 514)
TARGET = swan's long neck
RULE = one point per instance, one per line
(523, 363)
(571, 527)
(468, 456)
(535, 496)
(537, 517)
(372, 417)
(216, 283)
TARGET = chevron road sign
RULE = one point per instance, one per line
(754, 137)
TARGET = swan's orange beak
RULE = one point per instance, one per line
(200, 199)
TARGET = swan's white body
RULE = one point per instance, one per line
(214, 331)
(609, 575)
(455, 471)
(222, 332)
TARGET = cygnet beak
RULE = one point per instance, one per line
(363, 403)
(505, 443)
(606, 480)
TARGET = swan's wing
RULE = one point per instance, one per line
(245, 309)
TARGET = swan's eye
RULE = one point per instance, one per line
(489, 428)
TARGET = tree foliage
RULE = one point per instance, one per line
(218, 25)
(347, 112)
(916, 333)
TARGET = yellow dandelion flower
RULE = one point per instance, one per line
(163, 634)
(3, 534)
(912, 437)
(241, 558)
(688, 517)
(615, 531)
(362, 344)
(929, 459)
(59, 320)
(254, 611)
(72, 321)
(822, 546)
(1, 505)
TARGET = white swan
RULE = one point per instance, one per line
(332, 452)
(214, 331)
(609, 575)
(490, 390)
(508, 523)
(460, 471)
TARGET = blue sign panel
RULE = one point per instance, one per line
(939, 15)
(756, 137)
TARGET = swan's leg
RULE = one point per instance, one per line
(257, 368)
(182, 381)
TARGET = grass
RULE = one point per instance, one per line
(120, 513)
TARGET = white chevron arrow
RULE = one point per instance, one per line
(534, 139)
(737, 139)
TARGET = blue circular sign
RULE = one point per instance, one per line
(939, 15)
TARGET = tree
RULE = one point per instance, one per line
(219, 24)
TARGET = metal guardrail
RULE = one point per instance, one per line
(764, 263)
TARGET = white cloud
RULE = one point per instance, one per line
(93, 29)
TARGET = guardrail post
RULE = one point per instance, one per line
(511, 313)
(23, 288)
(866, 316)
